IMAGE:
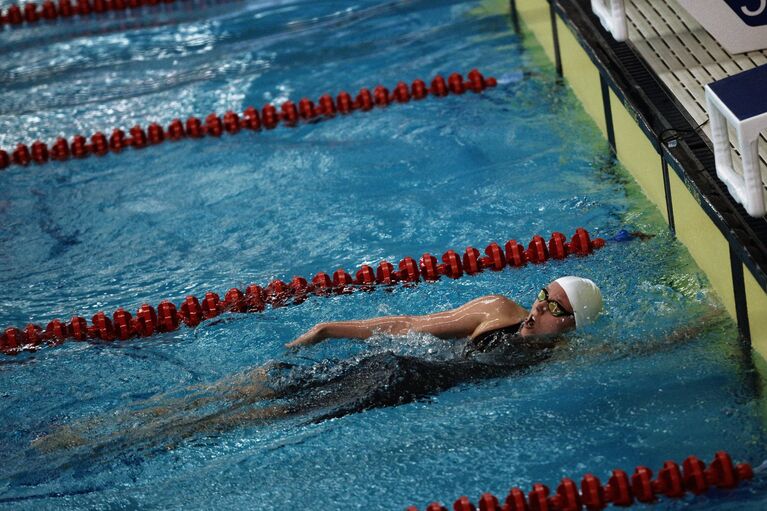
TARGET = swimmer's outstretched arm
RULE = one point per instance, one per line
(469, 320)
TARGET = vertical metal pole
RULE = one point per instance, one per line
(608, 111)
(750, 374)
(739, 291)
(667, 192)
(555, 34)
(514, 15)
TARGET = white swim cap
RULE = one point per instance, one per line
(584, 296)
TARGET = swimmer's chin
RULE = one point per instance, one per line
(531, 333)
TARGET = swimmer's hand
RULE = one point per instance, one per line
(312, 336)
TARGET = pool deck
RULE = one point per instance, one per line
(686, 57)
(638, 93)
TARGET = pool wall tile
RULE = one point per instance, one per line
(581, 75)
(703, 240)
(537, 17)
(757, 312)
(637, 154)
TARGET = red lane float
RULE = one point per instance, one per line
(32, 12)
(621, 490)
(167, 317)
(251, 119)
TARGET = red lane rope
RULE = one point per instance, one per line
(251, 119)
(117, 19)
(31, 13)
(168, 317)
(621, 490)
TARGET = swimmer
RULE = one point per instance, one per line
(501, 339)
(563, 305)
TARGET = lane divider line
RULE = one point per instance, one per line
(214, 125)
(621, 490)
(168, 317)
(31, 13)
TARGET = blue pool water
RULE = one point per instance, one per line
(522, 159)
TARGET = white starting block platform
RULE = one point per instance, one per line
(687, 57)
(741, 101)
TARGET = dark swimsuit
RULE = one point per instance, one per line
(336, 388)
(488, 341)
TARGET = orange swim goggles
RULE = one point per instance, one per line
(555, 308)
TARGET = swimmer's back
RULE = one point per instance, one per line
(385, 379)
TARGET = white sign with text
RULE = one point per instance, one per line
(739, 25)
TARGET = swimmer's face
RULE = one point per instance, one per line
(541, 321)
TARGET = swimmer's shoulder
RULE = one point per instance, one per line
(495, 303)
(501, 313)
